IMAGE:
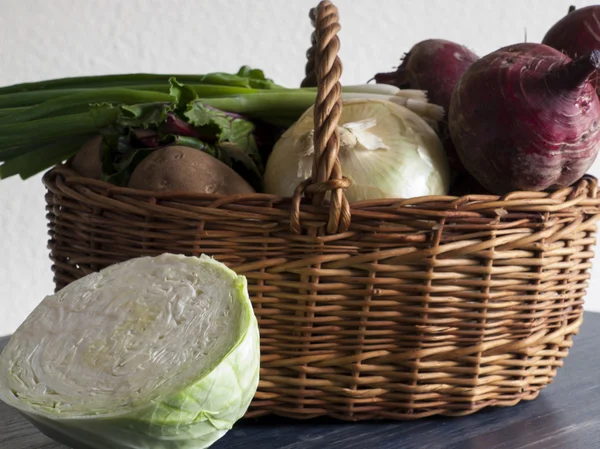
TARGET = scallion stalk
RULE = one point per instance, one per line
(53, 128)
(291, 102)
(9, 111)
(21, 99)
(130, 79)
(57, 106)
(43, 156)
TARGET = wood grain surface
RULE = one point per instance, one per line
(565, 416)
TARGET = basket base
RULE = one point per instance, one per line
(259, 410)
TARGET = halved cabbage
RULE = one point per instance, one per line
(154, 353)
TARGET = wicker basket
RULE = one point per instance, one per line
(393, 308)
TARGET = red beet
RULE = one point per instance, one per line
(577, 33)
(526, 117)
(433, 65)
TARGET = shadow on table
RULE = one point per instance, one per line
(523, 425)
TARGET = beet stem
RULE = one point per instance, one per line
(385, 78)
(575, 72)
(571, 9)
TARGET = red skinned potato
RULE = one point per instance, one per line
(526, 117)
(186, 169)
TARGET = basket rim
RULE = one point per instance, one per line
(583, 193)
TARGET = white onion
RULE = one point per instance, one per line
(386, 150)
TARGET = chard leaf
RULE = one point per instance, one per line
(227, 126)
(144, 115)
(235, 137)
(256, 78)
(210, 119)
(182, 94)
(104, 114)
(246, 77)
(198, 144)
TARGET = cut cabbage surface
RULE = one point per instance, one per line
(154, 353)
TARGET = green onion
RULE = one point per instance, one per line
(292, 102)
(44, 156)
(20, 99)
(82, 101)
(48, 129)
(204, 90)
(9, 111)
(133, 79)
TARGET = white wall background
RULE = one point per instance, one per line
(49, 39)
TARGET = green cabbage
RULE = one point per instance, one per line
(153, 353)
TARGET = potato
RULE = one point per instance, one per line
(88, 160)
(185, 169)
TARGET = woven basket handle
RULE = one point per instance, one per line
(325, 68)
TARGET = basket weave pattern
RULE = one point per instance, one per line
(392, 308)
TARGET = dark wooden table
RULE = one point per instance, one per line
(565, 416)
